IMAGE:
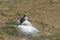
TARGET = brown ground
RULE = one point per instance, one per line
(43, 14)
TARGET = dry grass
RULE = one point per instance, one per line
(43, 14)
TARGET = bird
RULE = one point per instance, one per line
(25, 28)
(19, 22)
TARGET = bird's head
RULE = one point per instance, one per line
(25, 17)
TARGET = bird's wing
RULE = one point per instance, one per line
(27, 23)
(28, 29)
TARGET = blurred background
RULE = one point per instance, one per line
(43, 14)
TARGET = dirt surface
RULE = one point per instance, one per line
(43, 14)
